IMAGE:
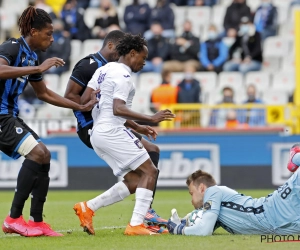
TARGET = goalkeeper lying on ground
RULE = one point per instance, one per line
(278, 213)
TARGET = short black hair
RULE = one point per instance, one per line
(33, 18)
(131, 42)
(114, 36)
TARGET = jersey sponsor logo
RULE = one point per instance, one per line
(92, 60)
(178, 161)
(126, 76)
(9, 168)
(19, 130)
(13, 42)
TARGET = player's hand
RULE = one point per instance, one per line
(162, 115)
(95, 95)
(89, 106)
(175, 225)
(147, 131)
(50, 62)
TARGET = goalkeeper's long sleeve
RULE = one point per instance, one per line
(203, 227)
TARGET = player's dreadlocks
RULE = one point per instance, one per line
(131, 42)
(114, 36)
(33, 18)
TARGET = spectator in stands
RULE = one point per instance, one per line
(219, 117)
(231, 120)
(163, 14)
(254, 116)
(234, 13)
(164, 94)
(136, 17)
(73, 21)
(246, 53)
(107, 20)
(183, 50)
(214, 52)
(266, 19)
(158, 50)
(60, 47)
(83, 3)
(189, 89)
(201, 2)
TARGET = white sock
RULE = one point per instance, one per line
(143, 199)
(115, 194)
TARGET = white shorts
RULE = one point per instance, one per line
(118, 147)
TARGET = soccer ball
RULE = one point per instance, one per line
(193, 217)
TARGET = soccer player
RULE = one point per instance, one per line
(81, 75)
(18, 65)
(114, 143)
(278, 213)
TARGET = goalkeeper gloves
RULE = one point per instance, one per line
(175, 224)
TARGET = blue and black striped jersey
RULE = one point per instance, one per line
(17, 54)
(82, 74)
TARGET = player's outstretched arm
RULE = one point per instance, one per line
(47, 95)
(120, 109)
(10, 72)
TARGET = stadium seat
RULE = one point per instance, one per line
(271, 64)
(208, 80)
(75, 49)
(287, 30)
(226, 3)
(180, 15)
(8, 19)
(90, 16)
(149, 81)
(199, 16)
(218, 14)
(176, 78)
(261, 80)
(275, 97)
(275, 47)
(141, 102)
(288, 64)
(16, 6)
(64, 79)
(124, 3)
(283, 14)
(254, 4)
(231, 79)
(91, 46)
(52, 81)
(48, 111)
(284, 82)
(282, 3)
(121, 10)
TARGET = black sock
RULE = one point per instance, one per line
(154, 156)
(26, 179)
(39, 193)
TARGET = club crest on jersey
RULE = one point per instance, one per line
(19, 130)
(207, 206)
(138, 144)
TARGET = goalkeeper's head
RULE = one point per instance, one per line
(197, 183)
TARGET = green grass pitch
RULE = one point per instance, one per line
(110, 222)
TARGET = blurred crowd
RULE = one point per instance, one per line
(237, 46)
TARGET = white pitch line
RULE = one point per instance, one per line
(68, 230)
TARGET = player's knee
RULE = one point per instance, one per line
(153, 148)
(39, 154)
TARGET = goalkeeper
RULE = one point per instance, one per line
(278, 213)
